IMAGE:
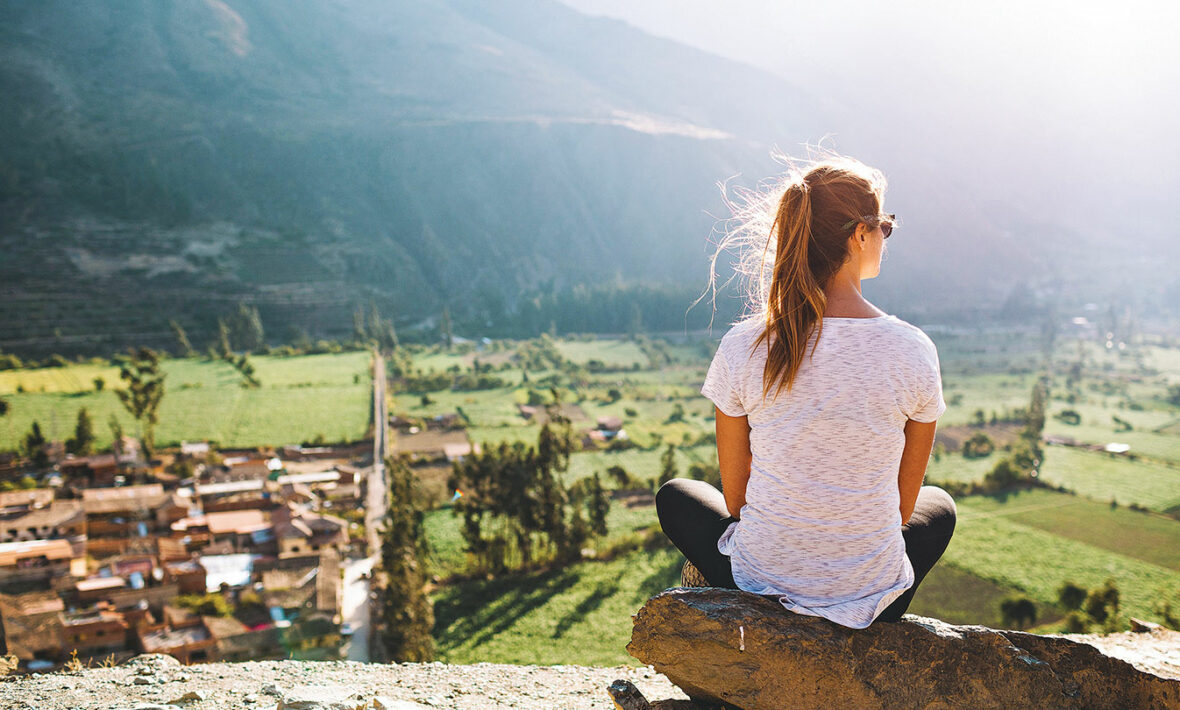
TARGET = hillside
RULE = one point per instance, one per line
(166, 160)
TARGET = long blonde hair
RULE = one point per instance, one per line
(798, 227)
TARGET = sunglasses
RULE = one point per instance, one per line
(884, 221)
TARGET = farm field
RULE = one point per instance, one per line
(1107, 477)
(1021, 544)
(580, 614)
(301, 398)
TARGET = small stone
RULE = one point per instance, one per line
(153, 660)
(384, 703)
(191, 696)
(251, 698)
(272, 689)
(1143, 627)
(142, 680)
(321, 697)
(626, 696)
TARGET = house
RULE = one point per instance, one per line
(189, 576)
(181, 634)
(195, 449)
(131, 510)
(94, 632)
(238, 530)
(432, 445)
(299, 533)
(94, 589)
(539, 414)
(58, 519)
(33, 563)
(14, 502)
(99, 469)
(236, 642)
(32, 625)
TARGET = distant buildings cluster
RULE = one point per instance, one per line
(115, 556)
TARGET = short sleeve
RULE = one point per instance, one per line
(719, 387)
(930, 402)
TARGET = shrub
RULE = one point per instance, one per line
(1068, 416)
(978, 446)
(1018, 611)
(1076, 623)
(1071, 596)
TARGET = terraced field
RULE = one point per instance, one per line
(301, 398)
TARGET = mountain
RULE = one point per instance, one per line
(169, 159)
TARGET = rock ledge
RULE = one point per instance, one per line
(728, 646)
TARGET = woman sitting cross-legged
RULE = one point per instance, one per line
(826, 410)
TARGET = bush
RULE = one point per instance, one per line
(205, 604)
(978, 446)
(1076, 623)
(1071, 596)
(1068, 416)
(1018, 611)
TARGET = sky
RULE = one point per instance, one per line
(1074, 93)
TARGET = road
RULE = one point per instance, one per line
(354, 607)
(376, 499)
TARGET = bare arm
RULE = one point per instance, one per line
(733, 455)
(919, 441)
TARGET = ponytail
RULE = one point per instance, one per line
(795, 301)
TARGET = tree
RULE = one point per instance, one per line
(1102, 603)
(668, 469)
(445, 328)
(145, 389)
(116, 435)
(99, 384)
(36, 447)
(82, 442)
(359, 334)
(245, 329)
(1018, 611)
(223, 348)
(978, 446)
(246, 370)
(185, 348)
(598, 506)
(3, 407)
(1071, 596)
(407, 615)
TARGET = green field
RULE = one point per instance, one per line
(300, 399)
(1023, 543)
(580, 614)
(992, 546)
(1107, 477)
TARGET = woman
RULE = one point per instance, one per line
(826, 409)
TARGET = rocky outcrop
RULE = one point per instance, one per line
(160, 683)
(739, 648)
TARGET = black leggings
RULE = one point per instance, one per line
(693, 516)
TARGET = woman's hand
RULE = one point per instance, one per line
(733, 456)
(919, 441)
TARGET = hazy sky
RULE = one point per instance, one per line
(1076, 96)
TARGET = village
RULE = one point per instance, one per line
(117, 555)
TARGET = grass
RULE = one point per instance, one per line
(1144, 536)
(612, 353)
(1106, 477)
(580, 614)
(300, 399)
(1037, 561)
(960, 597)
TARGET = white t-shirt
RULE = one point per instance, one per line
(821, 526)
